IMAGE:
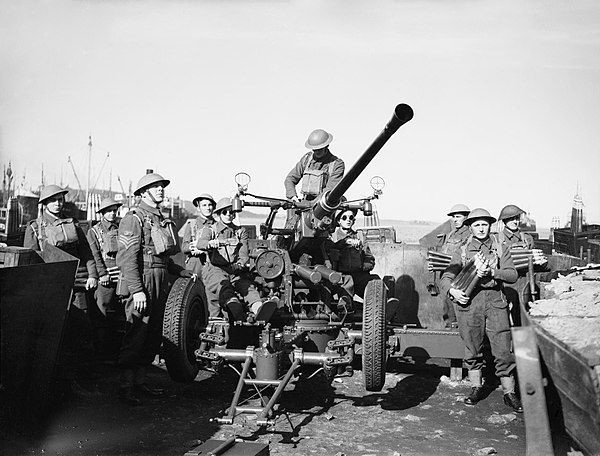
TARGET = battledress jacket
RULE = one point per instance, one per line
(503, 268)
(80, 249)
(235, 255)
(516, 239)
(136, 248)
(346, 258)
(103, 261)
(192, 232)
(451, 241)
(308, 161)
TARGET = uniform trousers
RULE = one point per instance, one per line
(222, 282)
(143, 336)
(486, 313)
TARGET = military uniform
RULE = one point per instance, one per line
(191, 235)
(450, 243)
(102, 238)
(76, 351)
(354, 261)
(146, 242)
(224, 273)
(486, 313)
(326, 172)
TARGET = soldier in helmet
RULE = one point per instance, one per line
(54, 228)
(146, 242)
(226, 273)
(205, 204)
(485, 310)
(449, 243)
(103, 240)
(318, 170)
(512, 237)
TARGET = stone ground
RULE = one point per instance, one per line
(419, 412)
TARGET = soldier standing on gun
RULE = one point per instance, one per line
(512, 237)
(318, 171)
(485, 311)
(53, 228)
(450, 242)
(103, 240)
(146, 242)
(226, 273)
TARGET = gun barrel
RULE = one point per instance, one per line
(307, 273)
(331, 200)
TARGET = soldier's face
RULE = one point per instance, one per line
(513, 223)
(226, 215)
(155, 192)
(347, 220)
(206, 207)
(55, 204)
(480, 229)
(320, 153)
(458, 220)
(110, 213)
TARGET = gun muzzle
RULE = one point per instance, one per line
(306, 273)
(330, 275)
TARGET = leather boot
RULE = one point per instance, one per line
(476, 388)
(510, 397)
(236, 310)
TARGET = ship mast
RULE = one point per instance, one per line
(87, 192)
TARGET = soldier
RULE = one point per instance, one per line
(196, 257)
(146, 242)
(512, 237)
(319, 170)
(52, 227)
(103, 240)
(347, 252)
(227, 271)
(449, 243)
(485, 311)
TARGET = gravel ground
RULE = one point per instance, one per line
(419, 412)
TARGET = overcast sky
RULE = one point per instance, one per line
(506, 96)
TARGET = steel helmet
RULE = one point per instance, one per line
(108, 202)
(459, 209)
(51, 190)
(204, 196)
(318, 139)
(222, 204)
(147, 180)
(477, 214)
(510, 211)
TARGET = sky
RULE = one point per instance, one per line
(506, 96)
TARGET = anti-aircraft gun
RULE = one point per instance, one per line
(309, 327)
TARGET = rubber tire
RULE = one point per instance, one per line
(374, 353)
(186, 313)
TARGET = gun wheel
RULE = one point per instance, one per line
(185, 315)
(374, 353)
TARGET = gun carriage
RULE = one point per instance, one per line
(310, 327)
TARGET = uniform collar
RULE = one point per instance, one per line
(478, 243)
(340, 233)
(460, 230)
(50, 218)
(511, 235)
(153, 210)
(205, 220)
(222, 227)
(108, 225)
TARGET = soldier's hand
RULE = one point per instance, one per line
(194, 250)
(214, 244)
(91, 283)
(188, 274)
(139, 301)
(105, 280)
(295, 199)
(429, 266)
(458, 296)
(328, 264)
(483, 269)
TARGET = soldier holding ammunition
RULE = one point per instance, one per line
(103, 240)
(53, 228)
(146, 242)
(449, 243)
(512, 238)
(480, 306)
(226, 274)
